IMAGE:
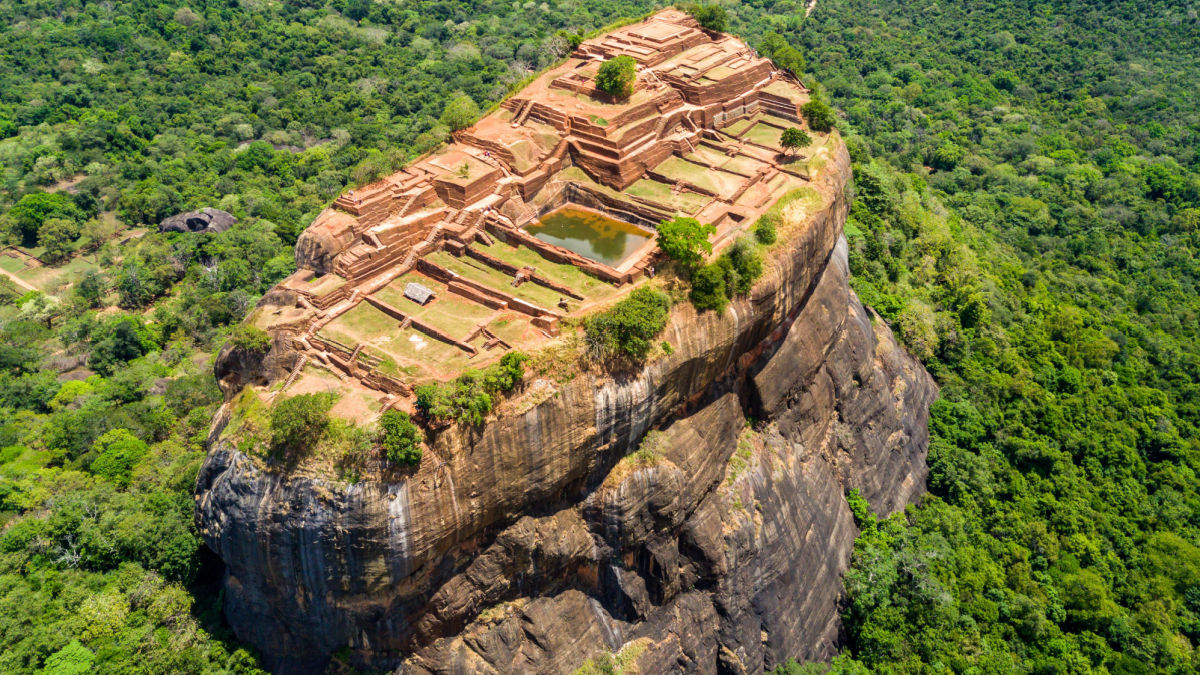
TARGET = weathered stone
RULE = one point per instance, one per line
(205, 220)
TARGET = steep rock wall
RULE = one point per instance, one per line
(529, 544)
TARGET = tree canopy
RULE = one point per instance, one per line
(685, 240)
(616, 76)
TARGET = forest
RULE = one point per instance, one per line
(1026, 219)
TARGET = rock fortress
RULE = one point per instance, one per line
(537, 541)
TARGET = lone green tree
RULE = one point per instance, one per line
(790, 59)
(616, 76)
(793, 139)
(299, 423)
(685, 240)
(819, 115)
(400, 438)
(710, 17)
(460, 113)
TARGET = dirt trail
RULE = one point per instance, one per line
(808, 10)
(17, 280)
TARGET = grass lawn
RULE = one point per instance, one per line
(708, 155)
(384, 338)
(687, 203)
(719, 182)
(46, 277)
(765, 134)
(568, 275)
(785, 90)
(743, 164)
(739, 126)
(325, 284)
(11, 264)
(476, 271)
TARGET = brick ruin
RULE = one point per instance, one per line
(699, 137)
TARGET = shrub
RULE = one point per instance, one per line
(683, 240)
(764, 230)
(734, 273)
(747, 263)
(400, 438)
(708, 287)
(819, 115)
(794, 139)
(468, 398)
(710, 17)
(460, 113)
(251, 338)
(118, 451)
(629, 327)
(790, 59)
(299, 423)
(616, 76)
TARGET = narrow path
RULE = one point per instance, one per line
(18, 280)
(808, 10)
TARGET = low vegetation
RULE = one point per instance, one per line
(730, 275)
(400, 438)
(616, 76)
(470, 397)
(685, 240)
(627, 330)
(250, 338)
(710, 16)
(298, 424)
(819, 115)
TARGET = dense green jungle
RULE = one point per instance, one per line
(1027, 218)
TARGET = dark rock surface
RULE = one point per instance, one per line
(540, 541)
(204, 220)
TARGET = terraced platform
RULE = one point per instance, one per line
(699, 137)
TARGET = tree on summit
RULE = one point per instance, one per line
(685, 240)
(793, 139)
(616, 76)
(710, 17)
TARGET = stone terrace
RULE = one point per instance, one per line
(699, 137)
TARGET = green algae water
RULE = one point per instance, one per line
(589, 234)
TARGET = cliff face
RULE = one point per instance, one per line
(534, 543)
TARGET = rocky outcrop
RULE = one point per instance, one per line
(539, 540)
(205, 220)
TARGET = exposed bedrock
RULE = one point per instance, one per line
(531, 544)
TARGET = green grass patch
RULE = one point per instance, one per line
(764, 134)
(687, 203)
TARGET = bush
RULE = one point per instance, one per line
(616, 76)
(299, 423)
(710, 17)
(794, 139)
(118, 451)
(629, 327)
(734, 273)
(250, 338)
(790, 59)
(460, 113)
(400, 438)
(819, 115)
(468, 398)
(747, 263)
(683, 240)
(708, 287)
(764, 231)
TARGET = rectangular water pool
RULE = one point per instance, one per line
(590, 234)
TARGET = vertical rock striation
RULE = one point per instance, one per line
(537, 542)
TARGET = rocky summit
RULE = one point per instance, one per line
(686, 513)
